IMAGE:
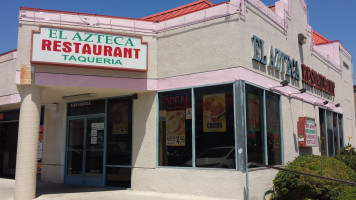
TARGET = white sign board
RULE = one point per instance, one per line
(80, 48)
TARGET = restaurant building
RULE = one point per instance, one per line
(176, 102)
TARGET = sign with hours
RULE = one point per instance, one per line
(307, 136)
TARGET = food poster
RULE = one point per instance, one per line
(310, 133)
(214, 115)
(175, 128)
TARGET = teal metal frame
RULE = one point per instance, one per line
(94, 181)
(83, 180)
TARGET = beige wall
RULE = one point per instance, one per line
(54, 137)
(7, 82)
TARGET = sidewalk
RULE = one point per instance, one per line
(49, 191)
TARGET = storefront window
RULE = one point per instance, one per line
(273, 129)
(263, 142)
(119, 136)
(175, 128)
(330, 133)
(341, 131)
(254, 110)
(322, 132)
(214, 137)
(86, 107)
(213, 141)
(335, 133)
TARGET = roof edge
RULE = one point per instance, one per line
(78, 13)
(7, 52)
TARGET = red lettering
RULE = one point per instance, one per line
(107, 51)
(46, 45)
(86, 49)
(304, 69)
(136, 52)
(76, 46)
(97, 49)
(127, 53)
(67, 47)
(57, 46)
(117, 52)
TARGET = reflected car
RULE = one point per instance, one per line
(216, 157)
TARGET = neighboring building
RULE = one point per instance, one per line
(176, 102)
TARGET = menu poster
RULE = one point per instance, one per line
(175, 127)
(310, 133)
(214, 115)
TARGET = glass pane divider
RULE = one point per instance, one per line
(84, 147)
(338, 132)
(157, 131)
(326, 134)
(265, 148)
(126, 166)
(281, 130)
(235, 122)
(193, 127)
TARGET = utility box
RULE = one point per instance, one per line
(307, 136)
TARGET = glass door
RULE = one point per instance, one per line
(85, 150)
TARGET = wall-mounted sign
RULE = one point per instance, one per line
(307, 136)
(318, 81)
(88, 49)
(277, 59)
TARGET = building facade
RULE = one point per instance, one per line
(176, 102)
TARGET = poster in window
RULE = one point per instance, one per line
(175, 127)
(214, 116)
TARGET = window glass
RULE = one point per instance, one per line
(175, 128)
(10, 115)
(119, 133)
(86, 107)
(322, 132)
(254, 111)
(273, 129)
(341, 131)
(330, 133)
(335, 132)
(214, 125)
(118, 177)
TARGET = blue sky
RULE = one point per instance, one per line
(333, 19)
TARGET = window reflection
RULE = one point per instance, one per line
(322, 132)
(273, 129)
(175, 128)
(119, 137)
(214, 138)
(254, 105)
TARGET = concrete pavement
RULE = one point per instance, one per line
(49, 191)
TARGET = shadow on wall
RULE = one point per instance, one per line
(305, 151)
(139, 131)
(295, 142)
